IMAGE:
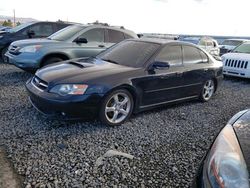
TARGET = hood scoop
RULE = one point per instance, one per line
(81, 65)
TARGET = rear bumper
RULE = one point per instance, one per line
(55, 106)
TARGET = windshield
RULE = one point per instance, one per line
(66, 33)
(20, 27)
(243, 48)
(231, 42)
(130, 53)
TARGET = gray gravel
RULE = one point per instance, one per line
(167, 144)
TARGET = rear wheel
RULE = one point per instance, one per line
(207, 90)
(3, 57)
(116, 107)
(51, 60)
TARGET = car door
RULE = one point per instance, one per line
(113, 37)
(95, 43)
(164, 85)
(197, 70)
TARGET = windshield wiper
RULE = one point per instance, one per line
(110, 61)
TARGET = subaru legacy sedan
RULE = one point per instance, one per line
(132, 76)
(71, 42)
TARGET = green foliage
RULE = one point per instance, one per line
(7, 23)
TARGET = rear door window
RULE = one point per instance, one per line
(192, 55)
(115, 36)
(94, 35)
(42, 30)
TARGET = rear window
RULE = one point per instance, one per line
(115, 36)
(130, 53)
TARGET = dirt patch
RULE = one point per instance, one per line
(8, 177)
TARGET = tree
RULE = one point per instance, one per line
(7, 23)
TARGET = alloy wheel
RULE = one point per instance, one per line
(208, 90)
(118, 108)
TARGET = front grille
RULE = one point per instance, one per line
(39, 83)
(14, 50)
(240, 64)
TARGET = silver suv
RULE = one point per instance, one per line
(71, 42)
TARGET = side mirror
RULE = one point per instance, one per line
(159, 65)
(30, 33)
(81, 40)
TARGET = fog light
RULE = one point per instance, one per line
(63, 113)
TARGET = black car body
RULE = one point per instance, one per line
(148, 73)
(227, 163)
(35, 29)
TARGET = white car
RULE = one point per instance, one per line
(229, 44)
(237, 63)
(207, 43)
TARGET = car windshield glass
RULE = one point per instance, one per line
(244, 48)
(20, 27)
(231, 42)
(66, 33)
(130, 53)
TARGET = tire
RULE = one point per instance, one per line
(116, 107)
(3, 57)
(51, 60)
(208, 90)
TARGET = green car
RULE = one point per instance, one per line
(71, 42)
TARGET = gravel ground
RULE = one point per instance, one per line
(165, 145)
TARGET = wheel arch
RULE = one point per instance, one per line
(63, 56)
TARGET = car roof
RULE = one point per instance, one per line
(162, 41)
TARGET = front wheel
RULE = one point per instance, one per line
(51, 61)
(3, 57)
(116, 107)
(208, 90)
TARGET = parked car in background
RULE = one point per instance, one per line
(207, 43)
(4, 29)
(237, 63)
(227, 163)
(35, 29)
(229, 44)
(72, 42)
(132, 76)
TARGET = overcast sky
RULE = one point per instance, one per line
(210, 17)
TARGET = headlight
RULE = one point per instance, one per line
(69, 89)
(226, 166)
(30, 49)
(223, 58)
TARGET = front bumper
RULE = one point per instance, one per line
(243, 73)
(25, 61)
(70, 107)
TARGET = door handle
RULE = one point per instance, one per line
(101, 46)
(205, 70)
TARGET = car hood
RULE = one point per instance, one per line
(241, 56)
(29, 42)
(242, 130)
(75, 71)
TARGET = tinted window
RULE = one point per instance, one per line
(170, 54)
(41, 30)
(66, 33)
(115, 36)
(130, 53)
(192, 55)
(94, 35)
